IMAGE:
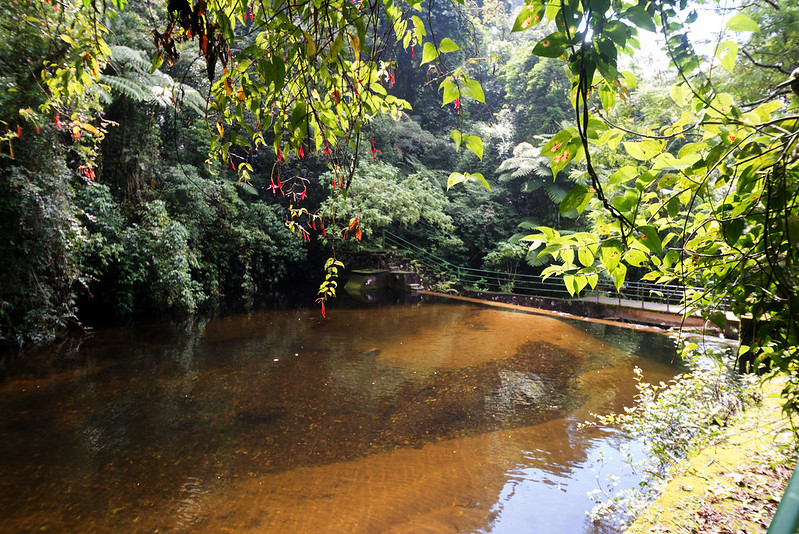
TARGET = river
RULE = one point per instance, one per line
(433, 417)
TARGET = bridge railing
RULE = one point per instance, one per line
(527, 284)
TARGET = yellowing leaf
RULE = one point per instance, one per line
(429, 53)
(726, 53)
(447, 45)
(741, 23)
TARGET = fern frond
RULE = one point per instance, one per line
(528, 224)
(557, 193)
(129, 59)
(533, 259)
(247, 188)
(132, 89)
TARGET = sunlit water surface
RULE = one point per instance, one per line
(424, 418)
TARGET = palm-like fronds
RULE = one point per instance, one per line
(525, 162)
(136, 80)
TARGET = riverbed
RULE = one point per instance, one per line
(431, 417)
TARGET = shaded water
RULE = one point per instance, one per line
(424, 418)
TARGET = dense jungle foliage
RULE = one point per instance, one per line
(166, 157)
(116, 201)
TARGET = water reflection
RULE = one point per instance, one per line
(423, 418)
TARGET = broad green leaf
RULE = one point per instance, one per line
(475, 144)
(610, 255)
(457, 177)
(528, 17)
(733, 230)
(570, 283)
(635, 257)
(447, 45)
(473, 89)
(624, 174)
(562, 148)
(554, 45)
(640, 18)
(611, 138)
(619, 275)
(457, 137)
(575, 199)
(648, 235)
(607, 95)
(726, 53)
(429, 53)
(673, 206)
(718, 318)
(451, 91)
(679, 95)
(629, 79)
(741, 23)
(635, 150)
(585, 256)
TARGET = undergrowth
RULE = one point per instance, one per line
(671, 421)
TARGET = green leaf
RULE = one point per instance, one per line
(457, 178)
(457, 137)
(726, 53)
(576, 198)
(673, 206)
(679, 95)
(562, 149)
(629, 79)
(640, 18)
(429, 53)
(528, 17)
(447, 45)
(451, 91)
(733, 230)
(624, 174)
(619, 275)
(718, 318)
(554, 45)
(635, 150)
(473, 89)
(648, 235)
(610, 255)
(585, 256)
(475, 144)
(635, 257)
(570, 283)
(741, 23)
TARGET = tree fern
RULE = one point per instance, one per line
(526, 161)
(134, 78)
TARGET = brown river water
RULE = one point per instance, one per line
(425, 418)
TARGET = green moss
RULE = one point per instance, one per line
(735, 481)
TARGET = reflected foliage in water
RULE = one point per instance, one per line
(383, 419)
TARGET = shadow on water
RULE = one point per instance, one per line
(421, 418)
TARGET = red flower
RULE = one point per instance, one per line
(327, 150)
(457, 104)
(374, 151)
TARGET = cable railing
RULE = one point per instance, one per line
(528, 284)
